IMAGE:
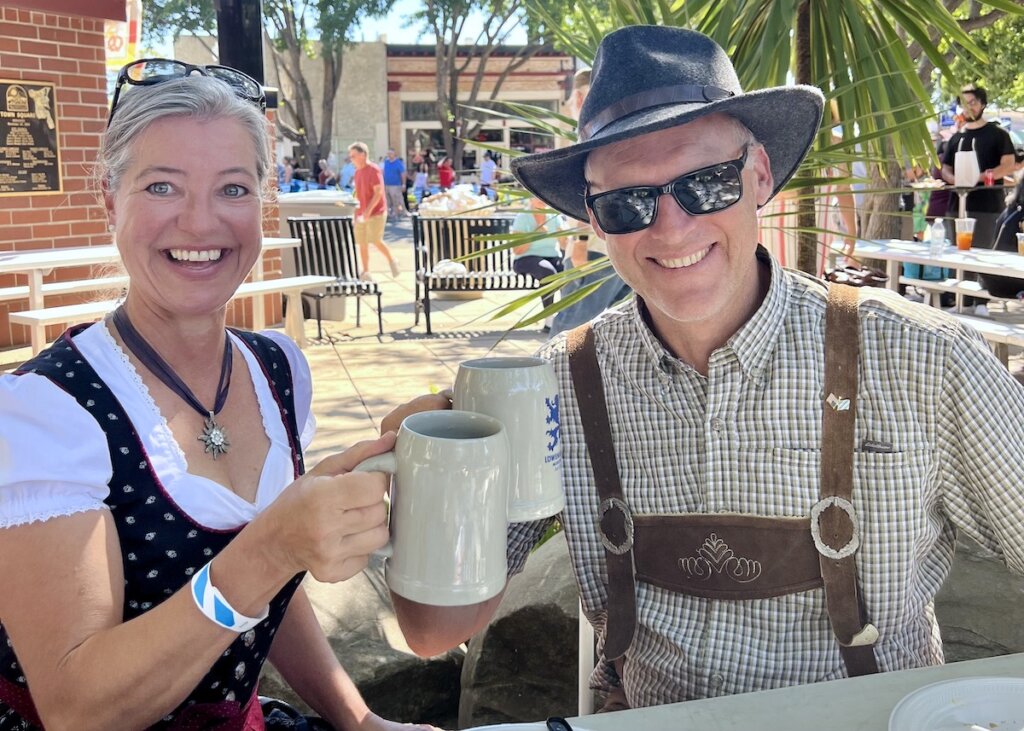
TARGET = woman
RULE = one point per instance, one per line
(445, 174)
(154, 520)
(542, 256)
(327, 177)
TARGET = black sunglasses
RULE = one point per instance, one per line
(700, 192)
(149, 71)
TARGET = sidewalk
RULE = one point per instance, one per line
(359, 376)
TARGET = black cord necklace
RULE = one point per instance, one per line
(213, 436)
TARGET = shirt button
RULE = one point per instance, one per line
(717, 424)
(717, 680)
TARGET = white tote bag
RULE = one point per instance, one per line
(965, 167)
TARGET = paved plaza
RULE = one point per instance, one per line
(360, 376)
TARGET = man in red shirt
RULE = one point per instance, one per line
(372, 213)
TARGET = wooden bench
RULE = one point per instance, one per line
(963, 287)
(291, 288)
(53, 289)
(488, 266)
(1001, 335)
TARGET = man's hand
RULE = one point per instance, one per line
(429, 402)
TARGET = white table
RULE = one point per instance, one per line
(38, 263)
(982, 261)
(852, 704)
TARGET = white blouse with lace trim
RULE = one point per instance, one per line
(54, 458)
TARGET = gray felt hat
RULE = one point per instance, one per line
(646, 78)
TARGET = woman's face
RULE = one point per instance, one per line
(187, 214)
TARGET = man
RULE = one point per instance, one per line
(698, 418)
(585, 248)
(994, 148)
(488, 171)
(371, 212)
(394, 185)
(348, 173)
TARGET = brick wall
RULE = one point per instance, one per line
(68, 51)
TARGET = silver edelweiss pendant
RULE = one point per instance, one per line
(215, 438)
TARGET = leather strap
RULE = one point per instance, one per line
(616, 523)
(833, 522)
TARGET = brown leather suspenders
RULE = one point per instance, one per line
(616, 521)
(833, 524)
(833, 539)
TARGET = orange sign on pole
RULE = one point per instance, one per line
(122, 39)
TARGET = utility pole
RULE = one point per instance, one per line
(240, 35)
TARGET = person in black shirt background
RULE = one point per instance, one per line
(994, 148)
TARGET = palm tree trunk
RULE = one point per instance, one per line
(807, 240)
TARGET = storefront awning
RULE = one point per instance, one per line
(105, 9)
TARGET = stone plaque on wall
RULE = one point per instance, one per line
(29, 155)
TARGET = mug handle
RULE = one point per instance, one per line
(380, 463)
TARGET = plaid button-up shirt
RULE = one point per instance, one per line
(939, 448)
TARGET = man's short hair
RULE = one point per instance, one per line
(581, 79)
(360, 147)
(979, 92)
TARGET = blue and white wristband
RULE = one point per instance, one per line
(216, 608)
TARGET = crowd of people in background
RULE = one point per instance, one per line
(406, 185)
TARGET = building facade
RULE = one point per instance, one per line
(388, 96)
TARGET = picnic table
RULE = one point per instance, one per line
(1000, 334)
(981, 261)
(37, 263)
(851, 704)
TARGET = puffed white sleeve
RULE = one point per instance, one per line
(302, 386)
(54, 459)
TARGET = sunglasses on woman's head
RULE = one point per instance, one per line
(149, 71)
(708, 190)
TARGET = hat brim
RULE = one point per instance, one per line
(783, 119)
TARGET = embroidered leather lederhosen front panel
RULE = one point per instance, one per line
(725, 556)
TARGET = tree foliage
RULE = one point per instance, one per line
(296, 30)
(863, 54)
(1003, 75)
(465, 59)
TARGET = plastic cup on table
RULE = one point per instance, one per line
(964, 233)
(1020, 244)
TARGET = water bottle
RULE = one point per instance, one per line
(936, 237)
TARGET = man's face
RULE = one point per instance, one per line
(688, 269)
(973, 108)
(358, 157)
(391, 154)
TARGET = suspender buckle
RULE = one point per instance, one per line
(823, 548)
(615, 524)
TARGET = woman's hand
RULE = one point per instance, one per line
(430, 402)
(373, 722)
(331, 519)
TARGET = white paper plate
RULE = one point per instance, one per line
(536, 726)
(993, 704)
